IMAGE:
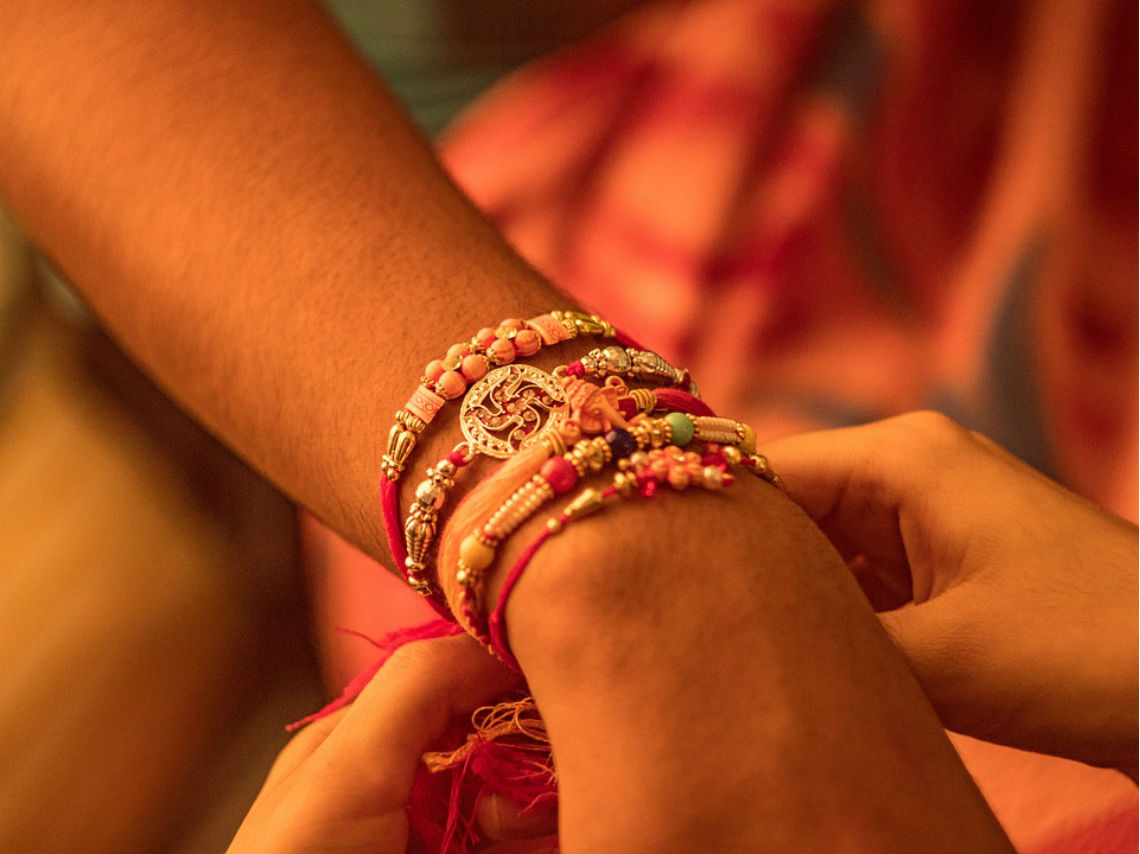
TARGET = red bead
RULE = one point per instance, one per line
(560, 474)
(627, 406)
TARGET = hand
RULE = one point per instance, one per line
(342, 784)
(1023, 625)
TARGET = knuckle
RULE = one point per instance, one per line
(419, 654)
(929, 429)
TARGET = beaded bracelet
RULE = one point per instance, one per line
(559, 474)
(591, 409)
(468, 362)
(639, 476)
(446, 379)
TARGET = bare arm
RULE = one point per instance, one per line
(254, 218)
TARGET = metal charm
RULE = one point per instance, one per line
(510, 408)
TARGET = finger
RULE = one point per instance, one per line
(500, 819)
(406, 708)
(843, 480)
(302, 745)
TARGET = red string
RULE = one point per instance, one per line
(667, 398)
(676, 400)
(498, 621)
(627, 340)
(390, 510)
(673, 400)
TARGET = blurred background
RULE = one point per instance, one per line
(153, 631)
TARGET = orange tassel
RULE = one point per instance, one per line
(487, 497)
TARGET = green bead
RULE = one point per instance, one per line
(682, 428)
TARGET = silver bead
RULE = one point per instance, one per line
(428, 494)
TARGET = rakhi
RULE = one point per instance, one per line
(447, 378)
(640, 475)
(560, 474)
(511, 409)
(468, 362)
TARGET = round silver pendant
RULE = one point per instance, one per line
(510, 408)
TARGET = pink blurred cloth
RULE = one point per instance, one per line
(833, 213)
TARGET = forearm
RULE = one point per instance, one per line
(753, 703)
(250, 213)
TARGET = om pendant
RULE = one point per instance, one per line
(510, 408)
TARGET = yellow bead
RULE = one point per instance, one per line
(475, 553)
(747, 440)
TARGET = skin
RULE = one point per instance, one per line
(1022, 621)
(343, 782)
(249, 212)
(928, 508)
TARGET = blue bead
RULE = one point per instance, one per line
(621, 442)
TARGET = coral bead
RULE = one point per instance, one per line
(459, 350)
(433, 370)
(474, 367)
(452, 362)
(485, 336)
(682, 427)
(527, 342)
(475, 553)
(513, 323)
(450, 385)
(560, 473)
(501, 352)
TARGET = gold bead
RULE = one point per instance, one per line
(626, 484)
(732, 455)
(747, 435)
(712, 477)
(678, 477)
(475, 553)
(554, 525)
(587, 502)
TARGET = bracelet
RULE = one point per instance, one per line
(468, 362)
(641, 475)
(446, 379)
(509, 409)
(559, 474)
